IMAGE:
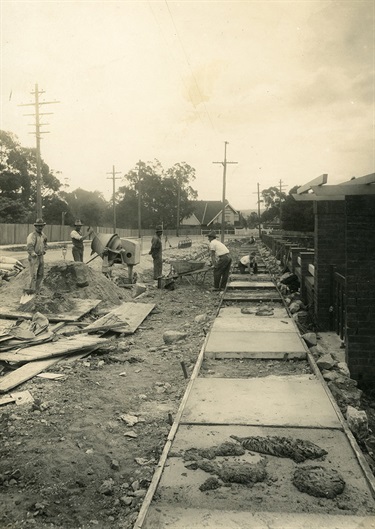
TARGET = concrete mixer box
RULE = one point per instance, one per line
(132, 253)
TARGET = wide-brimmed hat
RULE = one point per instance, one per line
(159, 228)
(78, 223)
(212, 235)
(39, 222)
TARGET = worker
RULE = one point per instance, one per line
(77, 240)
(244, 264)
(36, 246)
(157, 252)
(221, 261)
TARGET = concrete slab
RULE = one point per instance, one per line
(253, 323)
(249, 278)
(251, 284)
(296, 400)
(162, 516)
(255, 344)
(179, 485)
(279, 311)
(255, 295)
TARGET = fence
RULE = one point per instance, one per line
(17, 233)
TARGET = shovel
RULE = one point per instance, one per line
(27, 296)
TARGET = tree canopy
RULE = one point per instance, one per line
(157, 192)
(18, 177)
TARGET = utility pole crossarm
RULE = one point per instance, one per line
(224, 164)
(38, 134)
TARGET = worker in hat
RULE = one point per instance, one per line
(77, 240)
(36, 246)
(221, 261)
(157, 252)
(248, 262)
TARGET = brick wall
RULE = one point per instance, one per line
(360, 288)
(329, 244)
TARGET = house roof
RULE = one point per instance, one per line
(207, 210)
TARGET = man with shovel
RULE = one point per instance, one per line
(36, 245)
(77, 240)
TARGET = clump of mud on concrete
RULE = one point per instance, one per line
(297, 449)
(210, 484)
(244, 473)
(318, 481)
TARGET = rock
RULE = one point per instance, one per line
(317, 350)
(325, 362)
(138, 289)
(345, 397)
(294, 306)
(126, 500)
(107, 487)
(329, 376)
(301, 316)
(357, 422)
(310, 338)
(343, 368)
(115, 465)
(201, 318)
(173, 336)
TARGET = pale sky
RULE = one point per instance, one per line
(289, 84)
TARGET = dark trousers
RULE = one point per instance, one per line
(77, 254)
(221, 271)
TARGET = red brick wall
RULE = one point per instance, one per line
(329, 247)
(360, 288)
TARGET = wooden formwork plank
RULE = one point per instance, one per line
(82, 307)
(130, 314)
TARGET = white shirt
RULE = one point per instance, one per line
(218, 247)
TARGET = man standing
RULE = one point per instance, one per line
(36, 245)
(221, 261)
(77, 241)
(157, 252)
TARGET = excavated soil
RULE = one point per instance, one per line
(83, 453)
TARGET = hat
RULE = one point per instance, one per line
(212, 235)
(39, 222)
(159, 228)
(78, 223)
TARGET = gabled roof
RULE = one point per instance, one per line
(207, 210)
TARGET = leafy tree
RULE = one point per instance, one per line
(297, 216)
(252, 220)
(18, 180)
(88, 206)
(158, 195)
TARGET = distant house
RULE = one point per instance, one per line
(207, 213)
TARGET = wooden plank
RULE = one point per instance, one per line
(320, 180)
(63, 346)
(360, 189)
(311, 196)
(367, 179)
(30, 370)
(5, 326)
(83, 306)
(131, 314)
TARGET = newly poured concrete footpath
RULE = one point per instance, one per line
(222, 410)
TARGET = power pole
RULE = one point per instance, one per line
(114, 178)
(259, 227)
(281, 189)
(139, 202)
(38, 132)
(178, 205)
(224, 164)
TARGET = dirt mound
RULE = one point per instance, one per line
(63, 281)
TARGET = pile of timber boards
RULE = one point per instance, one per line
(22, 359)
